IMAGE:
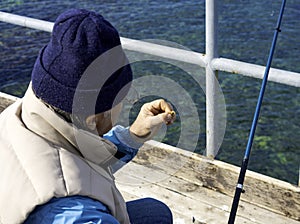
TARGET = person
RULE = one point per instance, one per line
(59, 144)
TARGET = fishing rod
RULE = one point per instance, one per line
(239, 186)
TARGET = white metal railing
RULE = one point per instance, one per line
(210, 61)
(211, 49)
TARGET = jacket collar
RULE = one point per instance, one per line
(43, 121)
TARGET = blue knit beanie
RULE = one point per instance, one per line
(78, 40)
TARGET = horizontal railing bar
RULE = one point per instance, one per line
(222, 64)
(256, 71)
(129, 44)
(177, 54)
(26, 21)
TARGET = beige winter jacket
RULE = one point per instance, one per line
(42, 156)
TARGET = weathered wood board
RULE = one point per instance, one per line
(209, 184)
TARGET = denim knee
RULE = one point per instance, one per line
(149, 210)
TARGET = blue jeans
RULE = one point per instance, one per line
(80, 209)
(149, 211)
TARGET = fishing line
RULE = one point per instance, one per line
(239, 186)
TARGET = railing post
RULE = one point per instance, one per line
(211, 48)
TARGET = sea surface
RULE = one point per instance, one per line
(245, 33)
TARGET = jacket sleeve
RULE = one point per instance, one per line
(127, 147)
(68, 210)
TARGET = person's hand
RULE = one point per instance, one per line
(150, 119)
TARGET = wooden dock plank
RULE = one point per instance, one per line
(6, 100)
(263, 191)
(188, 200)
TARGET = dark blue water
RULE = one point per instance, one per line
(245, 33)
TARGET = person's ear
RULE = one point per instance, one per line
(91, 122)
